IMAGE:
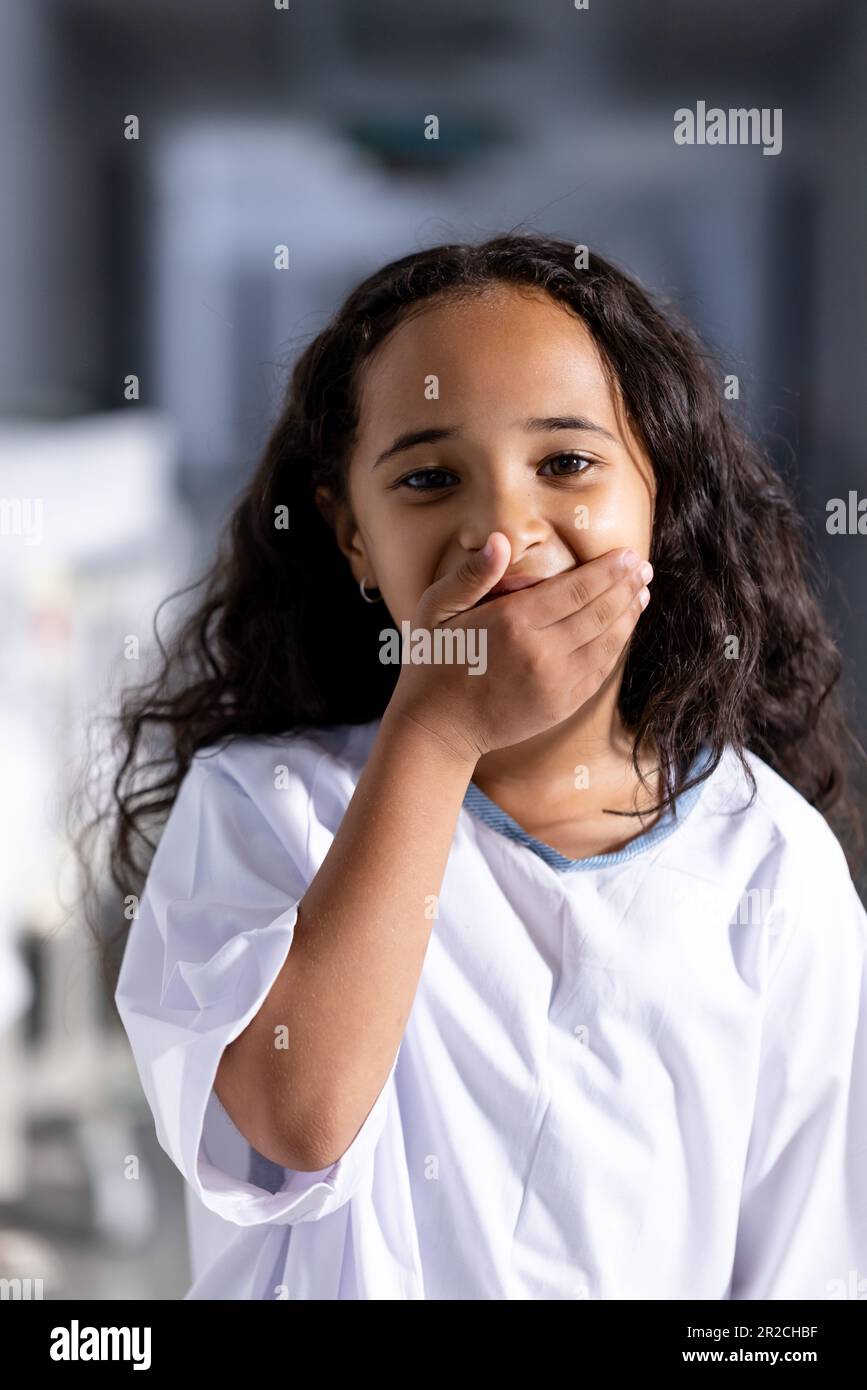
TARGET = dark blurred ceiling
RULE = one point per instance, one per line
(335, 53)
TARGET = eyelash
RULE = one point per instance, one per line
(420, 472)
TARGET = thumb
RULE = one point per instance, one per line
(471, 579)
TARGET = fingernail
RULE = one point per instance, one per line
(644, 597)
(487, 550)
(630, 558)
(646, 572)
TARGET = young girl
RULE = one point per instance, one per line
(535, 977)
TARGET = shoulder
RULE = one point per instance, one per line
(775, 818)
(254, 802)
(297, 759)
(293, 781)
(757, 850)
(790, 853)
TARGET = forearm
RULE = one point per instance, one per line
(343, 997)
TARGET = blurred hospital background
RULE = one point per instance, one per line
(153, 257)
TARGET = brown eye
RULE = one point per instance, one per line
(437, 474)
(573, 459)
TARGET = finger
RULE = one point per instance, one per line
(629, 594)
(595, 660)
(469, 581)
(560, 597)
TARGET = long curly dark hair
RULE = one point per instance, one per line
(253, 657)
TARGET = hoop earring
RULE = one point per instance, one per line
(365, 595)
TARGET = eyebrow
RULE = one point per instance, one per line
(536, 424)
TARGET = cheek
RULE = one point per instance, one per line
(406, 562)
(611, 518)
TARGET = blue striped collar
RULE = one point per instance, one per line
(481, 805)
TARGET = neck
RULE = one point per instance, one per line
(574, 771)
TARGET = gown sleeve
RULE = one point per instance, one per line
(213, 930)
(802, 1229)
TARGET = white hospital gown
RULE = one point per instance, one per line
(642, 1075)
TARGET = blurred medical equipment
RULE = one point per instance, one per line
(92, 538)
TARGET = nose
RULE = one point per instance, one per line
(514, 512)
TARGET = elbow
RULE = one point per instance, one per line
(292, 1148)
(302, 1138)
(267, 1133)
(311, 1148)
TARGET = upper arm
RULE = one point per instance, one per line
(215, 927)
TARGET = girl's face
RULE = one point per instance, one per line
(491, 414)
